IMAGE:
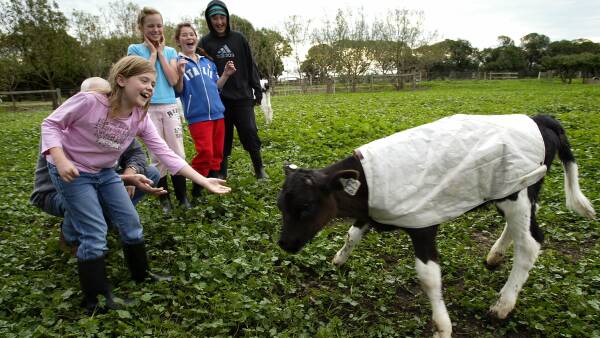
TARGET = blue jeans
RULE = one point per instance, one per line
(86, 199)
(55, 205)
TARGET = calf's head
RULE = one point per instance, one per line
(307, 203)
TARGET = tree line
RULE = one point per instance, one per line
(42, 48)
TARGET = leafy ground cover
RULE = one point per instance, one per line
(231, 278)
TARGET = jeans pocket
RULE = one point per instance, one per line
(52, 168)
(55, 177)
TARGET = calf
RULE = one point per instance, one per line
(265, 103)
(477, 159)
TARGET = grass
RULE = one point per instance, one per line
(231, 278)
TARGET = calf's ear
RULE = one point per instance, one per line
(289, 168)
(346, 180)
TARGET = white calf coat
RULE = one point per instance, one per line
(435, 172)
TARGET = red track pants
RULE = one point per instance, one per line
(208, 138)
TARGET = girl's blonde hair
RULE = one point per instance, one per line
(142, 15)
(126, 67)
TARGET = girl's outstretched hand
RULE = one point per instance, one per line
(143, 183)
(215, 185)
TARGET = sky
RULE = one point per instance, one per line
(478, 21)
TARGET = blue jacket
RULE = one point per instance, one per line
(200, 95)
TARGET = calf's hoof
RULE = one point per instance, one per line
(338, 260)
(441, 334)
(494, 261)
(491, 267)
(500, 311)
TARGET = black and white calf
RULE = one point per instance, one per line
(265, 103)
(445, 169)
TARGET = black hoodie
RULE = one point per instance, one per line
(244, 85)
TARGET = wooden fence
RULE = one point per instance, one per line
(500, 76)
(55, 93)
(370, 83)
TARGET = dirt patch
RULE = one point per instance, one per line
(483, 239)
(573, 251)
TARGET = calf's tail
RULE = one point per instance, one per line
(559, 143)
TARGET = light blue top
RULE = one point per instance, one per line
(163, 92)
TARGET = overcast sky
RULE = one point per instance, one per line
(478, 21)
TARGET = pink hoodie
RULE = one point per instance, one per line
(92, 141)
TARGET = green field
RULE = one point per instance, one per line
(231, 278)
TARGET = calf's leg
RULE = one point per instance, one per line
(498, 251)
(521, 226)
(430, 277)
(355, 233)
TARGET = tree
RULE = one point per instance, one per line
(354, 60)
(244, 26)
(12, 68)
(431, 56)
(451, 56)
(327, 35)
(506, 57)
(296, 33)
(347, 37)
(35, 31)
(505, 41)
(268, 47)
(89, 31)
(121, 19)
(403, 31)
(566, 47)
(381, 52)
(461, 55)
(535, 46)
(105, 37)
(567, 65)
(269, 50)
(319, 62)
(12, 71)
(88, 27)
(351, 46)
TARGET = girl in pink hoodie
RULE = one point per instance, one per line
(82, 140)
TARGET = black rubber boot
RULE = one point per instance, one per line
(257, 163)
(93, 280)
(223, 169)
(196, 190)
(180, 188)
(165, 200)
(137, 262)
(214, 174)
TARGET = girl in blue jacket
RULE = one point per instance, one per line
(198, 88)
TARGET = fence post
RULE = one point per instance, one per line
(54, 99)
(334, 85)
(58, 96)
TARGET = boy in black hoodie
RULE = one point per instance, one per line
(242, 91)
